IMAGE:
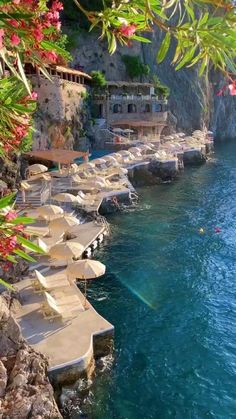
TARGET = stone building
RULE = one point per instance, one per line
(131, 105)
(59, 119)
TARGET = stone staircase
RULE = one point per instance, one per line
(35, 199)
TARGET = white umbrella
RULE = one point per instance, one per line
(134, 150)
(86, 269)
(67, 250)
(117, 130)
(65, 197)
(38, 168)
(110, 158)
(48, 211)
(128, 131)
(145, 147)
(63, 223)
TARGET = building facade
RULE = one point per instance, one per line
(131, 105)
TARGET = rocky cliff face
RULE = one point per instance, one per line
(192, 101)
(25, 391)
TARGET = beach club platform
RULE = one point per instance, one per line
(70, 344)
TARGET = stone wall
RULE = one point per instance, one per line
(25, 391)
(60, 115)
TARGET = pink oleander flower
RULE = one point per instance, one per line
(11, 215)
(14, 23)
(1, 37)
(15, 39)
(50, 55)
(34, 95)
(19, 227)
(57, 6)
(37, 32)
(232, 88)
(128, 30)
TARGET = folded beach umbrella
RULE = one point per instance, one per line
(65, 197)
(38, 168)
(66, 251)
(49, 211)
(63, 223)
(85, 269)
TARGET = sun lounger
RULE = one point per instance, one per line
(52, 308)
(42, 283)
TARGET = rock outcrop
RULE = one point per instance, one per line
(25, 391)
(193, 102)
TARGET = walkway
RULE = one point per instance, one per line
(67, 342)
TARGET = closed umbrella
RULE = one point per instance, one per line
(38, 168)
(66, 251)
(65, 197)
(49, 211)
(86, 269)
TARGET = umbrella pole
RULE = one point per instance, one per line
(85, 294)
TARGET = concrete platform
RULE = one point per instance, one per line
(67, 343)
(87, 233)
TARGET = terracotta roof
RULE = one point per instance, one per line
(56, 155)
(135, 123)
(59, 68)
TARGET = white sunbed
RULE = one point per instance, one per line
(42, 283)
(53, 308)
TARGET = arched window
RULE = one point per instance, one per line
(147, 108)
(132, 108)
(158, 107)
(117, 108)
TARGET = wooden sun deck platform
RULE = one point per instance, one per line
(67, 343)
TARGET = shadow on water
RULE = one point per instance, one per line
(170, 291)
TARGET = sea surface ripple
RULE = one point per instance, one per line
(170, 291)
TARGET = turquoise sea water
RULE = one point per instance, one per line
(170, 292)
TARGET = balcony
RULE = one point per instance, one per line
(125, 97)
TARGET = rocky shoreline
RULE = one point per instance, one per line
(25, 390)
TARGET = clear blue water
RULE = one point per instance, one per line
(94, 154)
(170, 292)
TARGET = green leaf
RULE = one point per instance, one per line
(28, 245)
(7, 285)
(186, 58)
(23, 220)
(22, 73)
(163, 48)
(24, 255)
(7, 200)
(11, 258)
(141, 39)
